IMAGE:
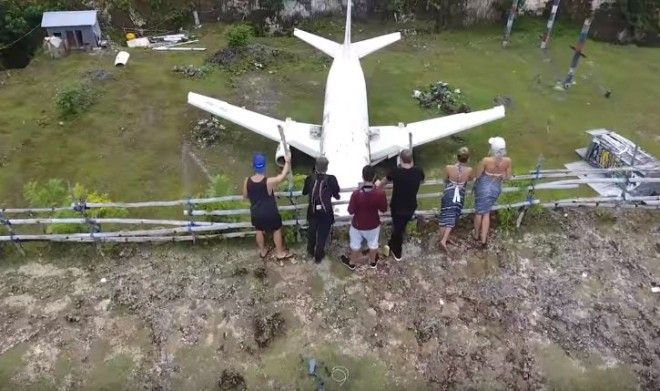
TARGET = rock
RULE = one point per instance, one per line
(371, 311)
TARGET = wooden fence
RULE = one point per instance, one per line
(217, 223)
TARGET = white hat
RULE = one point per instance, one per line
(497, 143)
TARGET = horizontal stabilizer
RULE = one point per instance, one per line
(369, 46)
(298, 134)
(325, 45)
(392, 139)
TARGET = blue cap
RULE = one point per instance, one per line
(259, 162)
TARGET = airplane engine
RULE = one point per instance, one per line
(279, 155)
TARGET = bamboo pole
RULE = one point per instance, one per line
(544, 174)
(171, 235)
(103, 221)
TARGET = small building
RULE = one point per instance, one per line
(77, 29)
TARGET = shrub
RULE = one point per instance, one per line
(51, 194)
(221, 186)
(508, 217)
(55, 194)
(75, 98)
(239, 35)
(290, 233)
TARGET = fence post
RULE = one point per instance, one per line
(4, 220)
(81, 207)
(191, 218)
(287, 152)
(530, 191)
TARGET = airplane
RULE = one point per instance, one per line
(345, 137)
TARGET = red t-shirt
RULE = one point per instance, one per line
(364, 206)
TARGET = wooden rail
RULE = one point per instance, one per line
(167, 230)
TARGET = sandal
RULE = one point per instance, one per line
(287, 256)
(263, 256)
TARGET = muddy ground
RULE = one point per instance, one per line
(565, 303)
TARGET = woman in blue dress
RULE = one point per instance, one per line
(492, 170)
(453, 196)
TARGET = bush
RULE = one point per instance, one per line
(290, 233)
(51, 194)
(442, 96)
(239, 35)
(55, 194)
(221, 186)
(508, 217)
(75, 98)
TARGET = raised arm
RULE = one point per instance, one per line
(276, 180)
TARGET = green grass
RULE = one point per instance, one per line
(129, 143)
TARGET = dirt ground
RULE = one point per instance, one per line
(565, 303)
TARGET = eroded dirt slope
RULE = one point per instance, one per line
(566, 303)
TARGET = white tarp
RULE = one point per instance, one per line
(121, 59)
(138, 43)
(54, 46)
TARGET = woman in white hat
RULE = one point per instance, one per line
(492, 170)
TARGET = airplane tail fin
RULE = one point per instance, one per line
(327, 46)
(347, 33)
(333, 49)
(368, 46)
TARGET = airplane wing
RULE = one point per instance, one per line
(388, 141)
(299, 135)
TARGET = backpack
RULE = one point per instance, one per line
(318, 195)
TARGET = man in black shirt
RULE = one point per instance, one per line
(320, 187)
(405, 179)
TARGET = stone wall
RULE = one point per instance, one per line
(213, 10)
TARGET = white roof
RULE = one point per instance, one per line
(68, 18)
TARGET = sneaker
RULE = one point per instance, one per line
(374, 264)
(398, 259)
(347, 262)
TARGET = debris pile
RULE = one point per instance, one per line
(231, 381)
(171, 42)
(267, 328)
(206, 131)
(191, 71)
(442, 96)
(252, 57)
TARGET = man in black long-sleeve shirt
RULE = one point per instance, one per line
(406, 180)
(320, 187)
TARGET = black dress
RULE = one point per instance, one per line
(263, 207)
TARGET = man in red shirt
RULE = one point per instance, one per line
(365, 204)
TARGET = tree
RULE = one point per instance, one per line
(448, 11)
(18, 35)
(643, 16)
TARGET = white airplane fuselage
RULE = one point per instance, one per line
(345, 135)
